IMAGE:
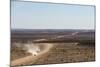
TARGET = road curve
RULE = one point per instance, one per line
(28, 59)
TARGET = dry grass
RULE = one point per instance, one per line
(62, 53)
(17, 52)
(67, 53)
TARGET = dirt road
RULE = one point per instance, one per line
(31, 58)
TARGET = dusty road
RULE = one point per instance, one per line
(31, 58)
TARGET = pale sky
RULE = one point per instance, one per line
(32, 15)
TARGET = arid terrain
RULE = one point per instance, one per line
(32, 47)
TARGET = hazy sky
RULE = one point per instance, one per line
(31, 15)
